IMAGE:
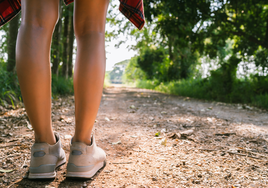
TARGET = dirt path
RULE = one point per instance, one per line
(198, 143)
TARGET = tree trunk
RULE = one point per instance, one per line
(71, 44)
(171, 55)
(64, 68)
(56, 45)
(11, 45)
(183, 69)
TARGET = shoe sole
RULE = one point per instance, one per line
(88, 174)
(47, 175)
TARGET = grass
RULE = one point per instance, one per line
(10, 93)
(62, 86)
(243, 91)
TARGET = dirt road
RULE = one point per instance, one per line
(151, 140)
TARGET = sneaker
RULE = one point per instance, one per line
(45, 159)
(84, 160)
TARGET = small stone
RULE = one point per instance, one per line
(237, 185)
(196, 181)
(5, 181)
(154, 178)
(67, 136)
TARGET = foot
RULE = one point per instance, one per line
(85, 160)
(45, 159)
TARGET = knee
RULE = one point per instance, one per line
(83, 29)
(45, 21)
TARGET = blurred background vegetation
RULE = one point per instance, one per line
(213, 50)
(207, 49)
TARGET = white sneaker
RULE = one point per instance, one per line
(45, 159)
(84, 160)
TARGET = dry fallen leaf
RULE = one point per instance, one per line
(115, 143)
(132, 107)
(157, 134)
(6, 171)
(163, 141)
(187, 133)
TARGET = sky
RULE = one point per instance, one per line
(115, 55)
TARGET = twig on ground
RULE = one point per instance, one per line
(123, 163)
(204, 149)
(11, 145)
(230, 152)
(242, 154)
(224, 134)
(253, 153)
(24, 163)
(14, 182)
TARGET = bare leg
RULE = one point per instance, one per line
(89, 26)
(33, 64)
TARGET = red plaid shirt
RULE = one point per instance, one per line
(132, 9)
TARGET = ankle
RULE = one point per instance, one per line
(49, 139)
(86, 140)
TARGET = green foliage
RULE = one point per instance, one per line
(261, 101)
(115, 76)
(154, 63)
(261, 59)
(133, 72)
(106, 79)
(62, 86)
(244, 91)
(10, 91)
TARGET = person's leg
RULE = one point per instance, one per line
(89, 27)
(33, 64)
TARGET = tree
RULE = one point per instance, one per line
(71, 46)
(11, 45)
(66, 31)
(56, 44)
(176, 22)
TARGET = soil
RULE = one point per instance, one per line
(151, 140)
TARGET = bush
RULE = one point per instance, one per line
(260, 101)
(62, 86)
(245, 91)
(10, 91)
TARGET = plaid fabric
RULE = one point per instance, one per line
(132, 9)
(8, 9)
